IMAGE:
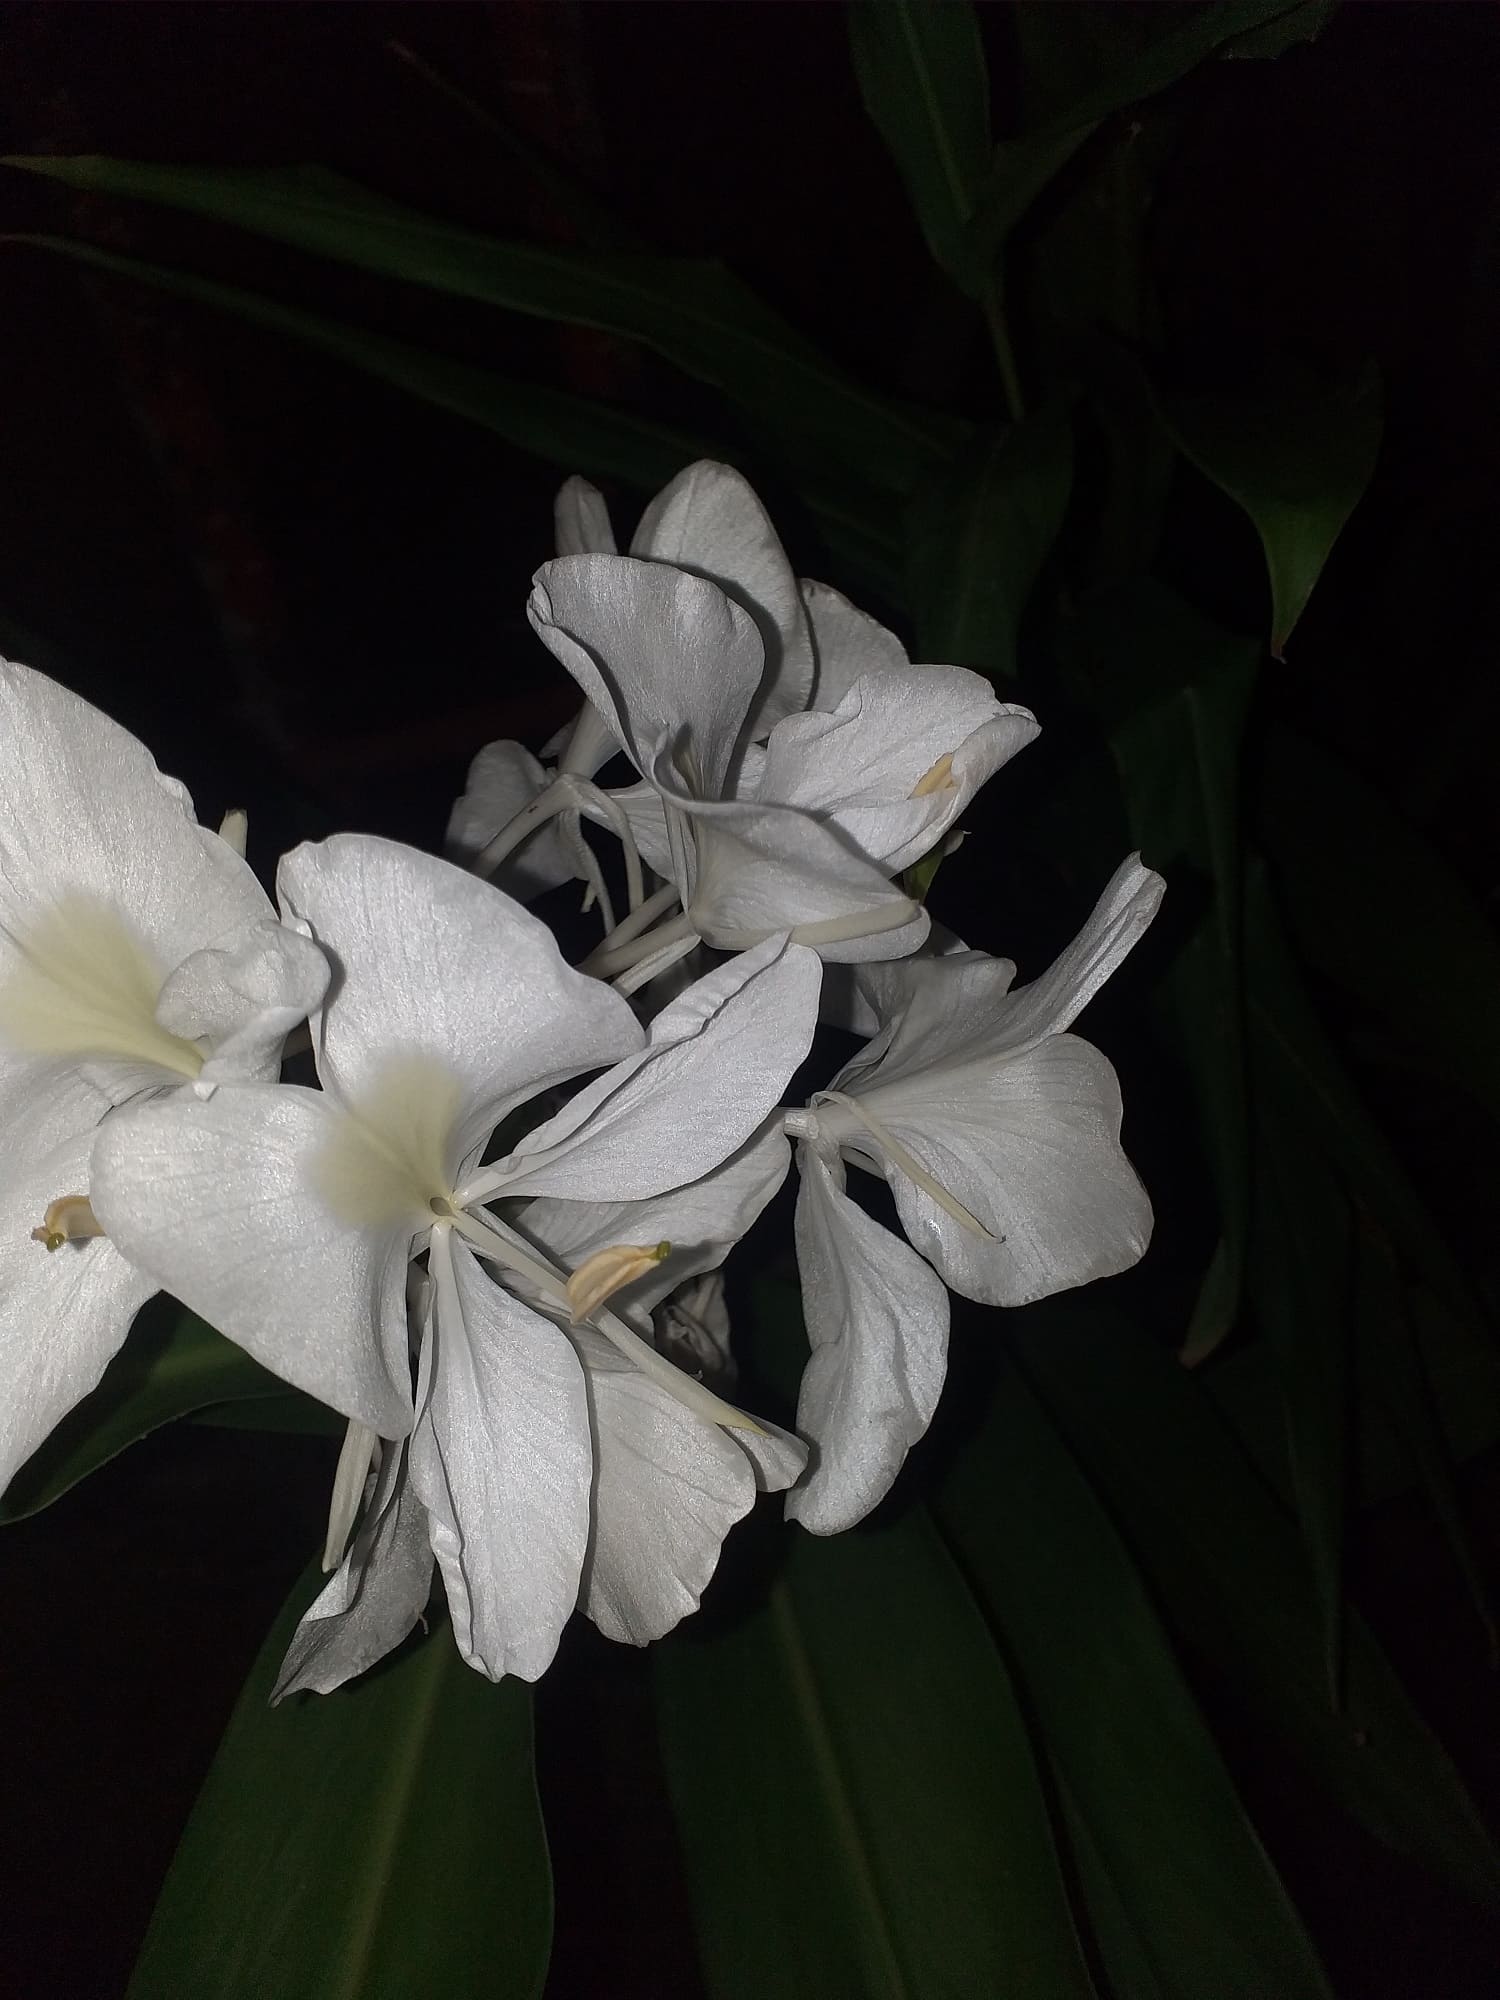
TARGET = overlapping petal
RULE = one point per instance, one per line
(847, 643)
(877, 1323)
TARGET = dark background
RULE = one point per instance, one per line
(306, 593)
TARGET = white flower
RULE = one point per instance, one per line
(290, 1217)
(803, 834)
(138, 954)
(999, 1136)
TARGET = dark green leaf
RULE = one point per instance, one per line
(1228, 1568)
(693, 312)
(384, 1840)
(171, 1365)
(1175, 1876)
(855, 1789)
(1374, 906)
(1304, 23)
(1297, 459)
(1023, 166)
(924, 81)
(980, 534)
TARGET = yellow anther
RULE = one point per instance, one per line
(599, 1277)
(68, 1220)
(938, 779)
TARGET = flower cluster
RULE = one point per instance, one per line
(491, 1238)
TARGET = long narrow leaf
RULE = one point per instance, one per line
(382, 1840)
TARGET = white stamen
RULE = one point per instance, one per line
(898, 1156)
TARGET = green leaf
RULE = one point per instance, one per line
(1297, 458)
(171, 1365)
(1228, 1568)
(980, 534)
(384, 1840)
(1024, 165)
(1174, 1873)
(1304, 23)
(1344, 861)
(693, 312)
(1174, 691)
(562, 429)
(925, 83)
(855, 1789)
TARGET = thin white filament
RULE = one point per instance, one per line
(898, 1156)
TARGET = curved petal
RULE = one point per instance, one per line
(503, 780)
(375, 1596)
(670, 663)
(847, 642)
(581, 520)
(668, 1488)
(761, 869)
(709, 521)
(431, 963)
(223, 1202)
(719, 1058)
(702, 1221)
(85, 811)
(643, 808)
(877, 1323)
(1031, 1147)
(65, 1313)
(501, 1457)
(243, 999)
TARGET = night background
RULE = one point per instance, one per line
(305, 590)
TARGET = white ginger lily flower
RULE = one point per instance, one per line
(138, 954)
(290, 1218)
(800, 836)
(999, 1135)
(516, 815)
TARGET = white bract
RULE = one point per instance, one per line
(138, 955)
(549, 1448)
(998, 1134)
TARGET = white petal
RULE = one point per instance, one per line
(373, 1599)
(223, 1201)
(702, 1221)
(502, 1459)
(433, 964)
(709, 521)
(503, 779)
(859, 767)
(847, 643)
(1031, 1146)
(581, 520)
(643, 808)
(63, 1313)
(243, 999)
(765, 869)
(719, 1058)
(877, 1322)
(83, 809)
(669, 1488)
(666, 658)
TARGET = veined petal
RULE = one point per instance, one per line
(847, 642)
(436, 965)
(709, 521)
(502, 1459)
(64, 1313)
(666, 658)
(719, 1058)
(762, 869)
(702, 1221)
(246, 1205)
(85, 812)
(375, 1596)
(504, 779)
(581, 520)
(243, 998)
(669, 1487)
(877, 1323)
(643, 808)
(1031, 1147)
